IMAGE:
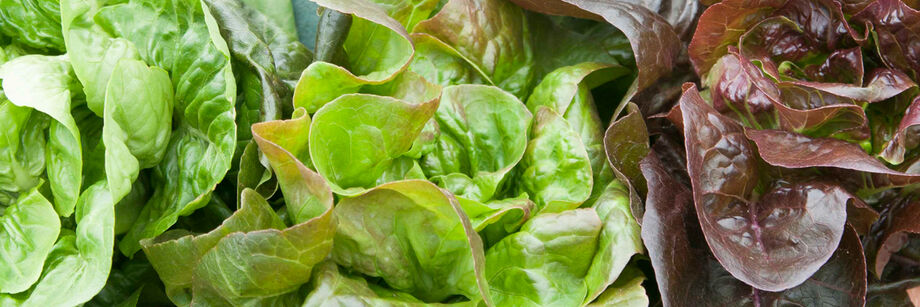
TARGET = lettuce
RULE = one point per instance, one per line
(423, 152)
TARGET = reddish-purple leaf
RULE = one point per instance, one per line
(736, 83)
(898, 221)
(793, 150)
(772, 242)
(689, 275)
(907, 136)
(897, 27)
(721, 25)
(883, 84)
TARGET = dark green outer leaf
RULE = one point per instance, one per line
(266, 50)
(330, 36)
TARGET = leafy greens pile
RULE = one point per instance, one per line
(799, 159)
(197, 153)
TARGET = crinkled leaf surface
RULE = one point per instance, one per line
(377, 49)
(483, 135)
(355, 139)
(44, 83)
(28, 230)
(556, 169)
(772, 241)
(687, 272)
(377, 236)
(182, 39)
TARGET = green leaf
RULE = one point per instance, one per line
(253, 244)
(133, 143)
(28, 229)
(179, 276)
(92, 51)
(201, 147)
(483, 134)
(355, 139)
(496, 219)
(79, 263)
(377, 49)
(44, 83)
(567, 91)
(22, 147)
(545, 262)
(377, 236)
(305, 192)
(336, 288)
(556, 169)
(492, 35)
(36, 23)
(619, 239)
(627, 291)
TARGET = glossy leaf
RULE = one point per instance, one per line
(567, 92)
(791, 150)
(369, 62)
(34, 22)
(545, 262)
(132, 144)
(80, 260)
(200, 149)
(44, 83)
(483, 135)
(639, 24)
(556, 168)
(625, 142)
(687, 273)
(626, 291)
(372, 130)
(22, 157)
(498, 44)
(253, 230)
(335, 288)
(772, 242)
(618, 241)
(373, 238)
(29, 228)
